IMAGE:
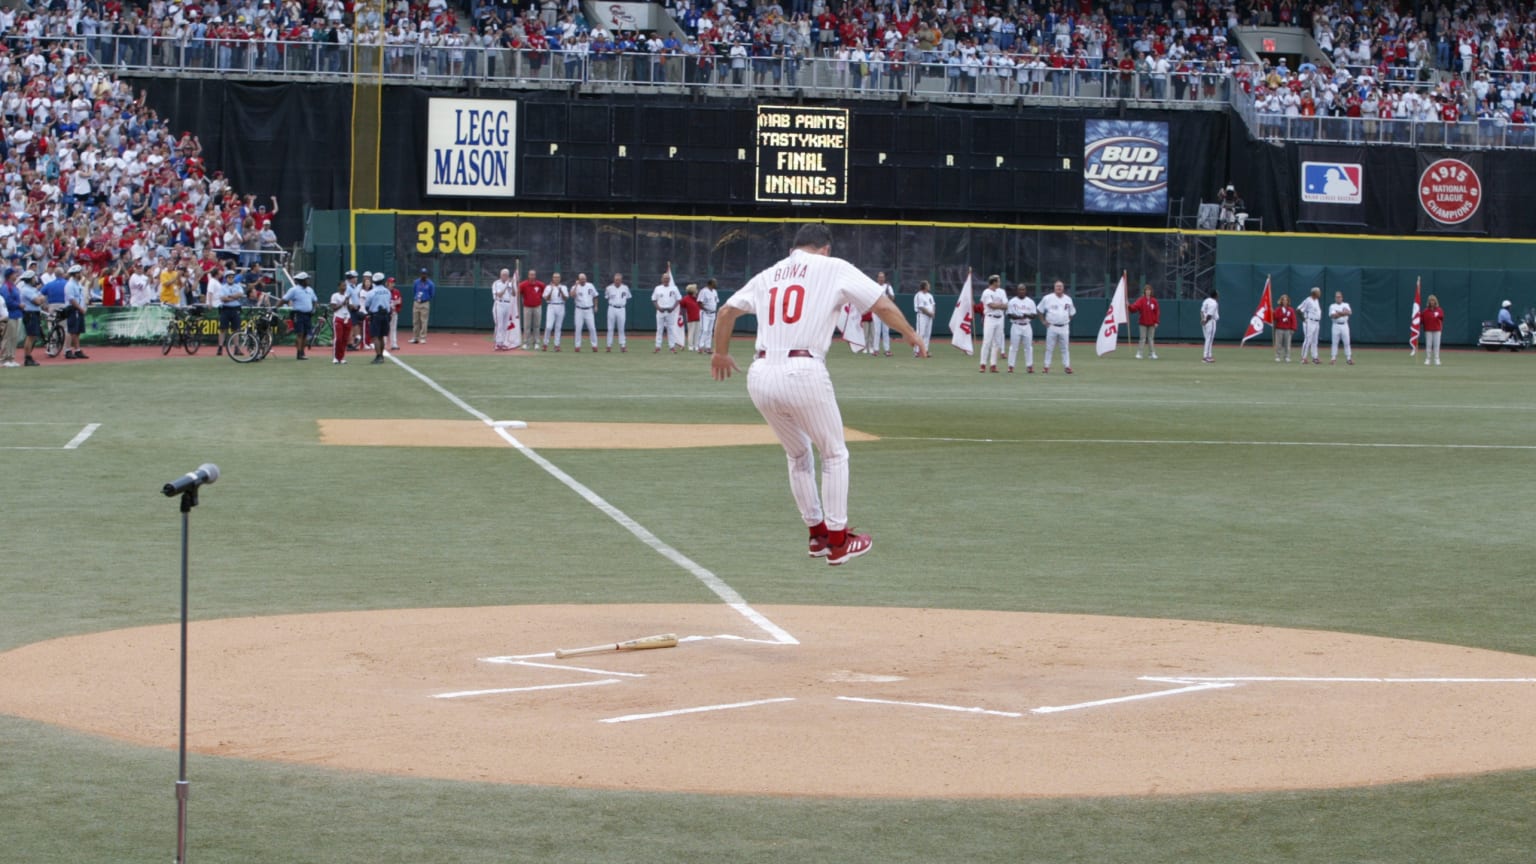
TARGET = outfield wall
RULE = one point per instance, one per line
(464, 251)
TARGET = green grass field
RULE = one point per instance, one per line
(1262, 493)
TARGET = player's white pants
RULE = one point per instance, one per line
(1308, 340)
(706, 331)
(667, 326)
(795, 396)
(991, 340)
(1431, 346)
(1340, 332)
(1057, 334)
(1209, 329)
(881, 337)
(1021, 333)
(586, 318)
(501, 314)
(616, 316)
(554, 320)
(924, 331)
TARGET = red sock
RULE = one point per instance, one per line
(819, 530)
(838, 537)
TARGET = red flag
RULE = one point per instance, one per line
(1413, 323)
(1265, 314)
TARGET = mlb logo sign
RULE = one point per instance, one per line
(1331, 183)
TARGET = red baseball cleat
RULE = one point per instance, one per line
(1069, 370)
(819, 547)
(857, 545)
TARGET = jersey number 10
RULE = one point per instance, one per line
(794, 303)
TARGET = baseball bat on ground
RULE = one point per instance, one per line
(664, 640)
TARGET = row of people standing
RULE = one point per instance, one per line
(685, 318)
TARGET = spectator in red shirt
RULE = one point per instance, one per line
(1146, 309)
(1285, 328)
(531, 290)
(1432, 321)
(690, 306)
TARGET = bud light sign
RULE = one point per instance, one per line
(1125, 167)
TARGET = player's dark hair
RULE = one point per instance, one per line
(813, 235)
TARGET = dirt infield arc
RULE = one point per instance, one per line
(872, 702)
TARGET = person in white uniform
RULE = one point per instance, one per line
(881, 331)
(994, 308)
(709, 307)
(665, 298)
(798, 302)
(617, 296)
(555, 295)
(1057, 310)
(503, 290)
(1021, 317)
(1210, 313)
(584, 297)
(1311, 313)
(1339, 313)
(923, 306)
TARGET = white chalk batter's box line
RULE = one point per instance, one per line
(73, 444)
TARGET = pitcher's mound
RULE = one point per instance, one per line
(872, 702)
(551, 436)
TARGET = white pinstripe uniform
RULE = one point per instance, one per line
(584, 294)
(1021, 311)
(709, 306)
(665, 298)
(1058, 312)
(1339, 312)
(797, 303)
(1210, 313)
(555, 295)
(882, 335)
(502, 292)
(617, 296)
(920, 301)
(992, 333)
(1311, 313)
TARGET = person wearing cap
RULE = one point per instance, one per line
(377, 303)
(354, 308)
(1507, 319)
(302, 298)
(33, 306)
(421, 308)
(230, 296)
(74, 324)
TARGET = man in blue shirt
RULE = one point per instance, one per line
(1507, 320)
(421, 307)
(74, 325)
(302, 298)
(378, 303)
(228, 295)
(33, 305)
(8, 330)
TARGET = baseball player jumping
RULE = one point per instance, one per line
(797, 303)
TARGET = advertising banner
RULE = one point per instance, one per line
(472, 147)
(1125, 166)
(146, 325)
(802, 154)
(1450, 193)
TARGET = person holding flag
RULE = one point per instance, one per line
(1285, 328)
(1210, 313)
(1433, 321)
(1057, 310)
(961, 319)
(1261, 316)
(1114, 316)
(1414, 322)
(994, 304)
(665, 297)
(502, 292)
(1147, 311)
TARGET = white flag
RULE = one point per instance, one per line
(852, 328)
(514, 329)
(960, 320)
(1114, 316)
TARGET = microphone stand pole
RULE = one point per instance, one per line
(183, 789)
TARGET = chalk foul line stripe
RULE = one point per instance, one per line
(1193, 688)
(934, 705)
(88, 431)
(462, 693)
(1302, 679)
(1384, 445)
(627, 718)
(714, 583)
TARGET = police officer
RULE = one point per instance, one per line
(378, 302)
(230, 296)
(302, 298)
(74, 325)
(33, 306)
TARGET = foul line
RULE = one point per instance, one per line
(88, 431)
(699, 710)
(1210, 443)
(958, 708)
(1270, 679)
(462, 693)
(711, 581)
(1055, 709)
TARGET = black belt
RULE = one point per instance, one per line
(992, 315)
(668, 309)
(583, 307)
(798, 352)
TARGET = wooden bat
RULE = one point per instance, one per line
(664, 640)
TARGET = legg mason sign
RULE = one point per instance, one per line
(472, 148)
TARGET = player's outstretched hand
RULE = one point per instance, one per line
(721, 366)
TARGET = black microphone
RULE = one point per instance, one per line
(206, 473)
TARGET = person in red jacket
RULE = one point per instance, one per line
(1432, 321)
(1146, 309)
(1285, 328)
(531, 290)
(690, 307)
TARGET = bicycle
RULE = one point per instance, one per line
(53, 332)
(185, 328)
(253, 341)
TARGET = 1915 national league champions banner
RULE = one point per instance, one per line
(472, 147)
(1125, 166)
(1450, 192)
